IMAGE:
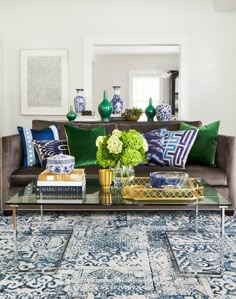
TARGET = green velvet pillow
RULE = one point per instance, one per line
(82, 144)
(204, 148)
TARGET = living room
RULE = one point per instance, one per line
(205, 32)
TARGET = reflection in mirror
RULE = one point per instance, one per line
(143, 72)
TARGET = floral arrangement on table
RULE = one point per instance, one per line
(125, 147)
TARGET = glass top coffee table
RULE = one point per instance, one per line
(94, 199)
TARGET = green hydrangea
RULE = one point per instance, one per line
(127, 147)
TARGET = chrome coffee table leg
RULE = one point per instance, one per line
(14, 226)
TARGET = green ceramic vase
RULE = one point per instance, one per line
(150, 111)
(71, 115)
(105, 108)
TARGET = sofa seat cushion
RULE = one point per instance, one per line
(212, 175)
(25, 175)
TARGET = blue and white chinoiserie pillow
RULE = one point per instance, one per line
(30, 157)
(177, 147)
(49, 148)
(155, 140)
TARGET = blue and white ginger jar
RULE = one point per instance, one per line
(79, 101)
(60, 164)
(117, 102)
(163, 112)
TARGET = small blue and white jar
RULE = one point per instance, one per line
(163, 112)
(117, 102)
(79, 101)
(60, 164)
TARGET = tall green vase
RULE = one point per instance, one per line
(150, 111)
(105, 108)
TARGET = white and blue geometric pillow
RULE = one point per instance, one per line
(49, 148)
(155, 140)
(30, 157)
(177, 147)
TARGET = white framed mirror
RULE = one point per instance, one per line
(111, 61)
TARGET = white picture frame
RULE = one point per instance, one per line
(44, 82)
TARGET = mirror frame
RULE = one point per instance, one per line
(90, 42)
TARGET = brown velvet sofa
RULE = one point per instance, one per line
(14, 176)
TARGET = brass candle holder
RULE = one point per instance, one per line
(105, 179)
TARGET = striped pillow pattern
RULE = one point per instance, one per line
(177, 147)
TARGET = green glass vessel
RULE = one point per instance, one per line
(105, 108)
(71, 115)
(150, 111)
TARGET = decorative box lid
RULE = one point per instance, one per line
(61, 159)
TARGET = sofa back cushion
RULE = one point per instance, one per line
(144, 127)
(39, 124)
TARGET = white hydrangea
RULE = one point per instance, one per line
(145, 145)
(99, 140)
(117, 133)
(114, 145)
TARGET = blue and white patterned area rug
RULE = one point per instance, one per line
(120, 255)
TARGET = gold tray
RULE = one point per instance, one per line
(138, 189)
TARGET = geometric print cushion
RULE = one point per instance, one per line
(177, 147)
(49, 148)
(155, 140)
(30, 157)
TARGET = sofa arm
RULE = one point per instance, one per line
(11, 160)
(226, 161)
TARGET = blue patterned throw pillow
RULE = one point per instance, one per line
(28, 135)
(49, 148)
(155, 140)
(177, 147)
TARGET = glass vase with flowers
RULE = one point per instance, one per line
(121, 151)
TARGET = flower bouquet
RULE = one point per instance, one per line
(121, 150)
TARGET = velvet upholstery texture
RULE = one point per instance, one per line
(82, 144)
(203, 151)
(49, 148)
(30, 157)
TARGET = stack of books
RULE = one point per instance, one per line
(61, 186)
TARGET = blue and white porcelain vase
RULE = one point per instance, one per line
(79, 101)
(117, 102)
(163, 112)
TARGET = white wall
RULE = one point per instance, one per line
(109, 70)
(210, 46)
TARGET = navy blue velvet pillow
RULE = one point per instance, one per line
(28, 135)
(156, 141)
(49, 148)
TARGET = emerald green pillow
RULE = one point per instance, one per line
(82, 143)
(204, 148)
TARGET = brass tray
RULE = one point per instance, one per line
(139, 189)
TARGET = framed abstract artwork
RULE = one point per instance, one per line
(44, 82)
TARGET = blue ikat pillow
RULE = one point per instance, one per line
(155, 140)
(49, 148)
(30, 157)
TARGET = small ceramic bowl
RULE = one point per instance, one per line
(170, 179)
(60, 164)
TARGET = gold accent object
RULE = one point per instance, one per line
(105, 197)
(105, 178)
(140, 189)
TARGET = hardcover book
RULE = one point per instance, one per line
(76, 175)
(63, 183)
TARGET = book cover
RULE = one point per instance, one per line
(82, 183)
(60, 189)
(76, 175)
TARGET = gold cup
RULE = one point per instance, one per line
(105, 178)
(105, 197)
